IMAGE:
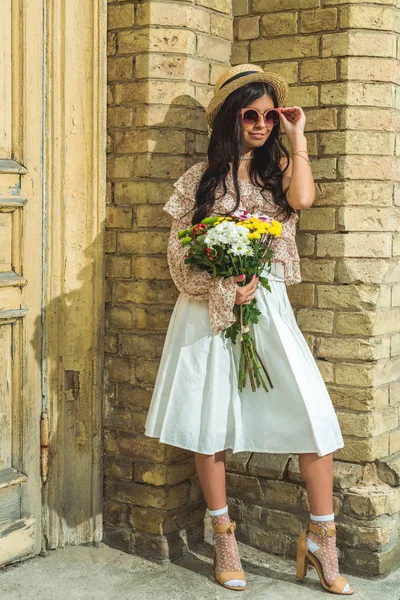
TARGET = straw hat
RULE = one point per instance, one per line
(236, 77)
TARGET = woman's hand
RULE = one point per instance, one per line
(293, 120)
(245, 293)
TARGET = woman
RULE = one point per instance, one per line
(196, 404)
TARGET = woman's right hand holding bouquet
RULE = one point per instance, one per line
(245, 293)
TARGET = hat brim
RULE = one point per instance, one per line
(278, 83)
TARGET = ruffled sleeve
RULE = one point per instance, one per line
(194, 282)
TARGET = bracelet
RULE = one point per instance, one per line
(302, 157)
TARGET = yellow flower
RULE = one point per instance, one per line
(254, 236)
(277, 226)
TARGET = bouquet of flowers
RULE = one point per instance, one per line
(229, 246)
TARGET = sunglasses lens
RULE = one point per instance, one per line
(250, 117)
(272, 117)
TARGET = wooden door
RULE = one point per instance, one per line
(20, 284)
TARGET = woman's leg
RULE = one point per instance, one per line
(317, 471)
(211, 472)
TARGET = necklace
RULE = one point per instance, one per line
(246, 157)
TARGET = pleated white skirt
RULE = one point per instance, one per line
(196, 404)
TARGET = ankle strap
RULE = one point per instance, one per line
(225, 528)
(323, 530)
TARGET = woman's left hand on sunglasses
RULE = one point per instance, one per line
(293, 120)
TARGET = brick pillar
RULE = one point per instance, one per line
(340, 62)
(164, 58)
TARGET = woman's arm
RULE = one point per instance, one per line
(298, 176)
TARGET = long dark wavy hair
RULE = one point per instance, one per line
(226, 145)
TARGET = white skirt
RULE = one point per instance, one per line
(196, 404)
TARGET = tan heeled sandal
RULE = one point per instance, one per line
(305, 557)
(225, 576)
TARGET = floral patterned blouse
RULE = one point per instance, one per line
(219, 292)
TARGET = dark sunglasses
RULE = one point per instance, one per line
(251, 116)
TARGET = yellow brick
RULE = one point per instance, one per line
(118, 369)
(182, 15)
(366, 375)
(152, 318)
(221, 26)
(318, 20)
(358, 94)
(118, 266)
(317, 219)
(248, 28)
(396, 295)
(368, 323)
(144, 292)
(317, 270)
(395, 345)
(367, 17)
(326, 370)
(305, 243)
(368, 219)
(359, 399)
(120, 167)
(168, 141)
(119, 218)
(365, 118)
(140, 192)
(288, 70)
(395, 393)
(111, 343)
(394, 442)
(157, 40)
(111, 241)
(240, 53)
(317, 321)
(240, 7)
(142, 243)
(120, 68)
(152, 216)
(396, 245)
(111, 43)
(365, 167)
(265, 6)
(157, 165)
(365, 425)
(348, 296)
(357, 142)
(354, 43)
(330, 2)
(288, 47)
(118, 318)
(201, 144)
(164, 66)
(303, 95)
(151, 267)
(120, 16)
(318, 70)
(353, 244)
(324, 168)
(321, 119)
(361, 450)
(153, 91)
(119, 116)
(302, 294)
(354, 192)
(353, 348)
(224, 6)
(213, 48)
(279, 24)
(369, 69)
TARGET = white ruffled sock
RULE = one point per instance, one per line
(325, 549)
(227, 552)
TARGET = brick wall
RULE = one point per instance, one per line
(164, 58)
(341, 62)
